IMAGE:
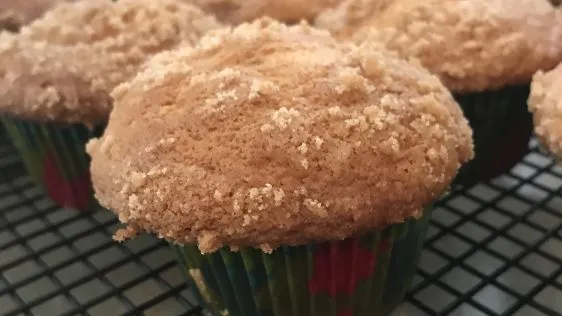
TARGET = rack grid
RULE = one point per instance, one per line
(493, 249)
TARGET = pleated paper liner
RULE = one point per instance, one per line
(365, 276)
(502, 127)
(55, 157)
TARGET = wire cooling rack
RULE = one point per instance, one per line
(494, 249)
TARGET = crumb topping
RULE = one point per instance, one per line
(63, 65)
(545, 102)
(298, 163)
(471, 45)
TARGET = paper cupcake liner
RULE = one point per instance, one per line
(55, 157)
(364, 276)
(502, 128)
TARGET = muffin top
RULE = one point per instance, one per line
(63, 66)
(472, 45)
(16, 13)
(237, 11)
(268, 135)
(545, 102)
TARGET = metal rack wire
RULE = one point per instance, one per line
(494, 249)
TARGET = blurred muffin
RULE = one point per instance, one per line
(545, 102)
(16, 13)
(289, 11)
(57, 72)
(349, 16)
(291, 149)
(486, 52)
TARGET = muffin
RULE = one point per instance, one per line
(289, 11)
(57, 73)
(293, 175)
(484, 51)
(14, 13)
(545, 102)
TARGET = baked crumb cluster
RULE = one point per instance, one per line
(471, 45)
(545, 102)
(63, 66)
(267, 134)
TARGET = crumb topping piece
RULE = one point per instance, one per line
(313, 140)
(545, 102)
(63, 66)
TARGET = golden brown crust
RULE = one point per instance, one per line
(238, 11)
(471, 45)
(16, 13)
(545, 102)
(63, 66)
(268, 135)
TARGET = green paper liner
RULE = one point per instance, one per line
(502, 127)
(363, 276)
(55, 157)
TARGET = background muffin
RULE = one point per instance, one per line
(290, 11)
(269, 136)
(56, 75)
(15, 13)
(486, 52)
(545, 102)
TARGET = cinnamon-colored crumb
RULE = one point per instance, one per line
(16, 13)
(268, 135)
(63, 66)
(471, 45)
(545, 102)
(291, 11)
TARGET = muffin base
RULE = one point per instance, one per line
(55, 157)
(368, 275)
(502, 128)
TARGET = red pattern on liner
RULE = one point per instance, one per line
(72, 193)
(345, 312)
(356, 262)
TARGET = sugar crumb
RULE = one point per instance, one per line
(390, 146)
(266, 128)
(217, 196)
(266, 248)
(138, 179)
(304, 164)
(106, 143)
(318, 142)
(261, 87)
(134, 202)
(283, 117)
(303, 148)
(316, 207)
(278, 196)
(208, 242)
(334, 111)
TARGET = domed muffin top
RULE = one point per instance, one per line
(268, 135)
(545, 102)
(63, 66)
(472, 45)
